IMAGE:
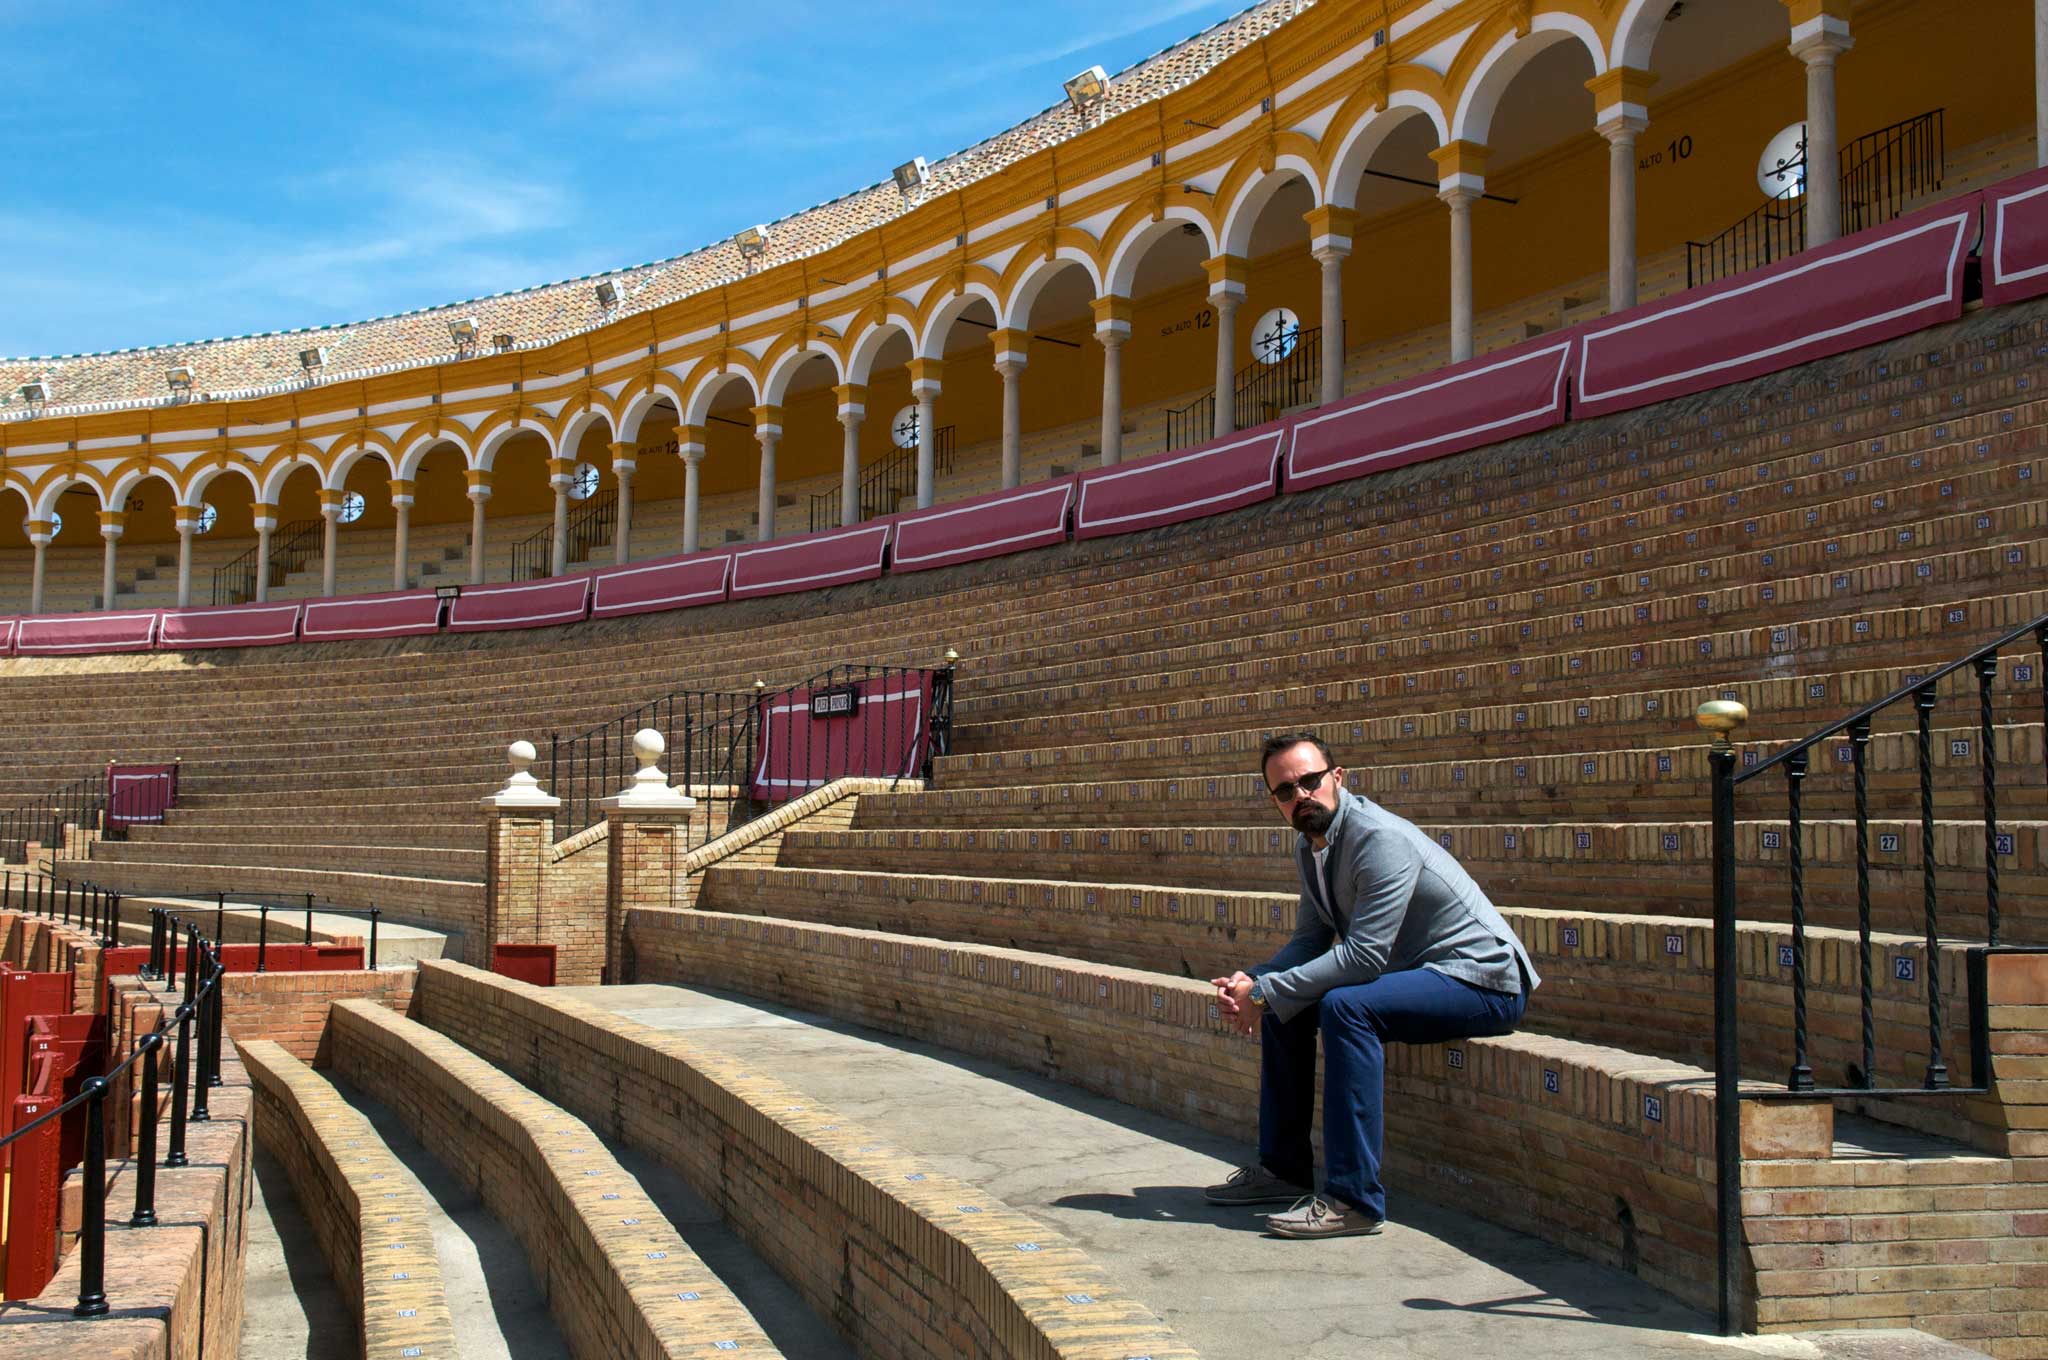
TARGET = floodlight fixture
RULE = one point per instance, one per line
(502, 342)
(753, 242)
(911, 175)
(607, 295)
(1087, 89)
(316, 357)
(463, 331)
(35, 393)
(180, 378)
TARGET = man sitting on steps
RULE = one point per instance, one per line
(1393, 942)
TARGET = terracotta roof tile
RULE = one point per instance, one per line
(249, 365)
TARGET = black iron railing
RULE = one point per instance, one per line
(1263, 390)
(196, 1023)
(884, 485)
(295, 544)
(81, 804)
(1191, 424)
(1978, 672)
(1881, 173)
(738, 754)
(592, 524)
(235, 583)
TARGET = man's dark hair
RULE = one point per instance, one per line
(1280, 741)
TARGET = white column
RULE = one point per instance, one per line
(558, 551)
(768, 435)
(1331, 254)
(1621, 132)
(1226, 305)
(266, 520)
(622, 532)
(1460, 203)
(1112, 395)
(693, 454)
(1011, 367)
(1818, 42)
(110, 531)
(186, 528)
(401, 540)
(479, 492)
(330, 532)
(850, 417)
(41, 540)
(926, 391)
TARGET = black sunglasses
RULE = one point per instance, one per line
(1288, 790)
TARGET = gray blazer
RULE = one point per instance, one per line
(1393, 899)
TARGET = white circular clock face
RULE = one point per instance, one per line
(1276, 335)
(208, 517)
(583, 482)
(1782, 168)
(56, 524)
(351, 507)
(903, 429)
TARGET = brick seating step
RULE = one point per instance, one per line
(1542, 1133)
(587, 1225)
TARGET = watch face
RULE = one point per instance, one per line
(1276, 335)
(903, 429)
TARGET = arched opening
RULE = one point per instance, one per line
(1278, 334)
(1063, 382)
(658, 483)
(969, 459)
(888, 430)
(1395, 282)
(730, 476)
(808, 462)
(232, 535)
(1168, 361)
(296, 543)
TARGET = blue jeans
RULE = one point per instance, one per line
(1419, 1006)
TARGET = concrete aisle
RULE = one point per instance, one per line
(498, 1307)
(1124, 1185)
(290, 1304)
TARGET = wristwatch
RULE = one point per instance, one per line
(1258, 997)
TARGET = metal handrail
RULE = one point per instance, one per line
(711, 738)
(195, 1071)
(1879, 172)
(235, 582)
(1266, 388)
(81, 803)
(1725, 717)
(592, 524)
(293, 546)
(884, 484)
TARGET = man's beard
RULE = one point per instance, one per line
(1313, 819)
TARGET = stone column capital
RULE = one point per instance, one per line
(1820, 29)
(186, 517)
(112, 523)
(1460, 165)
(623, 458)
(1621, 92)
(1330, 228)
(1622, 126)
(1112, 318)
(767, 421)
(401, 492)
(1011, 346)
(925, 377)
(330, 503)
(1227, 275)
(852, 399)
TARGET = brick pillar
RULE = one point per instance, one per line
(519, 829)
(2016, 988)
(646, 841)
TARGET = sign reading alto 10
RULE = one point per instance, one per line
(842, 702)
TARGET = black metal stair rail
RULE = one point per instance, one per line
(1261, 391)
(1724, 718)
(591, 525)
(885, 483)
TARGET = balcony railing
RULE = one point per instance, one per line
(884, 485)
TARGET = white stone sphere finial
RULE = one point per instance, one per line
(649, 788)
(522, 792)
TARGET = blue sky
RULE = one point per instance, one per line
(184, 172)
